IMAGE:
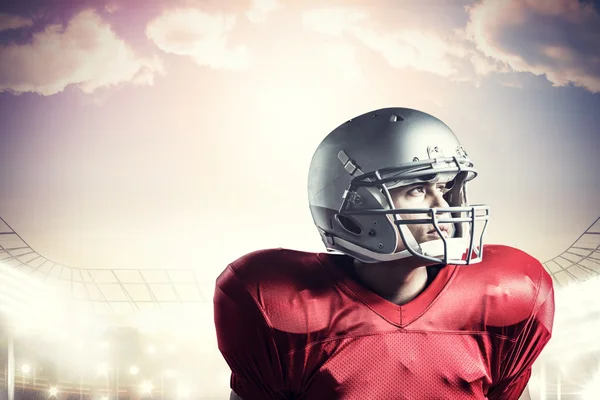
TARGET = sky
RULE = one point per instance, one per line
(179, 133)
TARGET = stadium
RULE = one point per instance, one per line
(73, 333)
(129, 334)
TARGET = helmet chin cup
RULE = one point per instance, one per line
(456, 248)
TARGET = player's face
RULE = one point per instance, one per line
(427, 195)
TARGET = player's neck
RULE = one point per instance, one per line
(397, 284)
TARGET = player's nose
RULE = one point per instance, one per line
(438, 201)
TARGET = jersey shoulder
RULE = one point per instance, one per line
(290, 288)
(510, 265)
(280, 268)
(508, 282)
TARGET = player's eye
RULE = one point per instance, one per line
(416, 190)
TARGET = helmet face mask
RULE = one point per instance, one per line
(354, 210)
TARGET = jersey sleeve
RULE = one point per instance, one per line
(531, 340)
(246, 341)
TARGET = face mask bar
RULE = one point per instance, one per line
(436, 220)
(418, 170)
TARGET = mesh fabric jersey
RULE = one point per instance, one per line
(298, 325)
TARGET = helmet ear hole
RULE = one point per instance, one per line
(349, 224)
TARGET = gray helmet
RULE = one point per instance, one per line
(357, 164)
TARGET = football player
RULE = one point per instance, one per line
(406, 303)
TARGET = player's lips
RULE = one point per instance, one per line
(445, 229)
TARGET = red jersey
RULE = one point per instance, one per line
(297, 325)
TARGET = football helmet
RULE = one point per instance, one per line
(356, 165)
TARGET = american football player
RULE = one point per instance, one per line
(407, 302)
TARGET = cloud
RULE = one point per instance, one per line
(424, 51)
(557, 38)
(404, 48)
(199, 35)
(8, 21)
(260, 9)
(86, 53)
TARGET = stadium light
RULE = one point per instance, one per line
(25, 368)
(53, 391)
(151, 349)
(146, 387)
(133, 370)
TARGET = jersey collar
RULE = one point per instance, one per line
(340, 268)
